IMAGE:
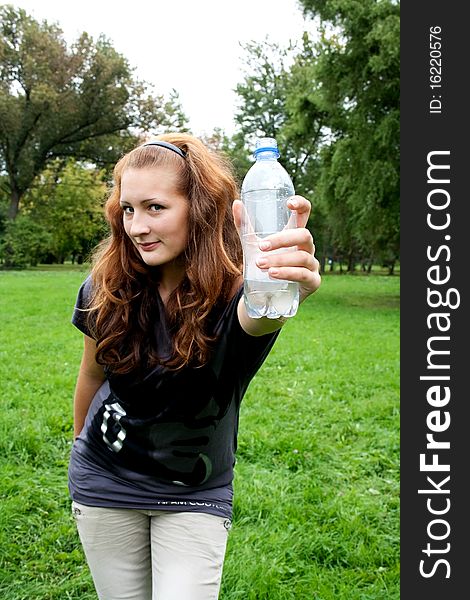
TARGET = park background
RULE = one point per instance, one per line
(316, 488)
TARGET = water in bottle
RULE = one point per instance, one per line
(265, 191)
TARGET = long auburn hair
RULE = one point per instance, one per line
(124, 295)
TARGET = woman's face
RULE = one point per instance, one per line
(155, 214)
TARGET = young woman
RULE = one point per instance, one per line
(169, 351)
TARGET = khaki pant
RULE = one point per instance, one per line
(152, 555)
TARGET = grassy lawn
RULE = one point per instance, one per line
(316, 513)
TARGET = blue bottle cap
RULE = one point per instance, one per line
(266, 144)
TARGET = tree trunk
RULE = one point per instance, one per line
(350, 262)
(14, 202)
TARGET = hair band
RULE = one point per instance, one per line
(166, 145)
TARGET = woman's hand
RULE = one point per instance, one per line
(296, 264)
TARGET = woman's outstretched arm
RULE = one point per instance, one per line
(298, 265)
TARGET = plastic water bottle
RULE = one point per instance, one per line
(265, 191)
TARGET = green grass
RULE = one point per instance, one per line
(316, 512)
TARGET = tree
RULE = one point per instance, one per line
(272, 103)
(70, 194)
(269, 108)
(56, 101)
(24, 242)
(357, 75)
(333, 106)
(61, 217)
(262, 94)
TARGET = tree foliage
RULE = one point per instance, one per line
(267, 109)
(24, 242)
(357, 71)
(56, 101)
(71, 194)
(61, 217)
(333, 106)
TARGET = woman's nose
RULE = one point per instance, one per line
(139, 225)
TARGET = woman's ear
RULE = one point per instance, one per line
(237, 211)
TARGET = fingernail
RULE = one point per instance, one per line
(261, 261)
(265, 245)
(274, 271)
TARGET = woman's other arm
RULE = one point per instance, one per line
(90, 378)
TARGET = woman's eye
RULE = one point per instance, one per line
(155, 207)
(127, 210)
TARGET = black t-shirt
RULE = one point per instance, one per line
(167, 439)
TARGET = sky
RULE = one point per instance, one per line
(192, 46)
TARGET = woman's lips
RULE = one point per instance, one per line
(148, 246)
